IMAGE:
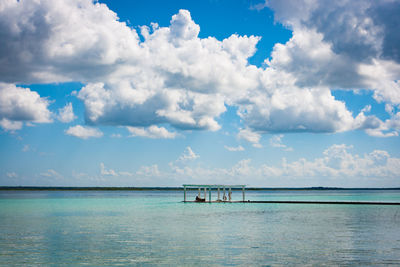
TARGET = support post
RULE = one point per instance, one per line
(184, 194)
(209, 194)
(243, 194)
(199, 193)
(218, 194)
(224, 197)
(230, 194)
(205, 193)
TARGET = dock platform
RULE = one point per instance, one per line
(227, 198)
(306, 202)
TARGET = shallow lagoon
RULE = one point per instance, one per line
(156, 228)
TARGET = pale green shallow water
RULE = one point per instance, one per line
(155, 228)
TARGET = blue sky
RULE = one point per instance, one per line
(156, 93)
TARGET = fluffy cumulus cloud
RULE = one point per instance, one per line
(338, 161)
(336, 165)
(343, 45)
(188, 155)
(55, 41)
(107, 172)
(83, 132)
(66, 114)
(171, 76)
(18, 105)
(148, 171)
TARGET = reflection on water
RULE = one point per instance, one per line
(155, 228)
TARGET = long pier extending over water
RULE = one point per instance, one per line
(328, 202)
(208, 189)
(306, 202)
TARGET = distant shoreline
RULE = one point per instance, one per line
(72, 188)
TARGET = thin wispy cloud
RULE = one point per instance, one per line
(153, 131)
(276, 141)
(83, 132)
(234, 149)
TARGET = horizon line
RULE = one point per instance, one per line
(138, 188)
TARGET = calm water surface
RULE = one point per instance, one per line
(156, 228)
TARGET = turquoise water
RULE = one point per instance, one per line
(156, 228)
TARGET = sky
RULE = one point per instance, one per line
(162, 93)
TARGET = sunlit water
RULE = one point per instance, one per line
(156, 228)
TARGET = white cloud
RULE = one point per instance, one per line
(276, 141)
(174, 77)
(55, 40)
(233, 149)
(83, 132)
(339, 162)
(188, 155)
(18, 105)
(143, 171)
(381, 132)
(11, 174)
(336, 162)
(26, 148)
(10, 125)
(115, 173)
(126, 174)
(66, 114)
(336, 166)
(151, 171)
(114, 135)
(388, 128)
(250, 136)
(50, 173)
(107, 172)
(359, 51)
(151, 132)
(183, 27)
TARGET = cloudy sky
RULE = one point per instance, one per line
(160, 93)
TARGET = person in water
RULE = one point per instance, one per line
(199, 199)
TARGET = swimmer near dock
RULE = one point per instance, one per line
(224, 195)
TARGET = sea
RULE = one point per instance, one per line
(155, 228)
